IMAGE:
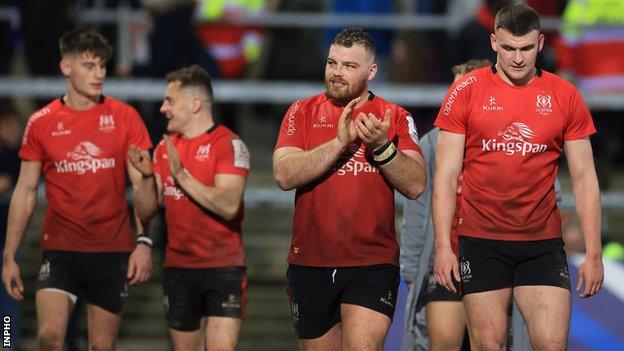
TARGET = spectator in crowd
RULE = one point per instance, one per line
(590, 55)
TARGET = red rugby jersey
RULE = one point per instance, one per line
(514, 139)
(198, 238)
(83, 156)
(346, 217)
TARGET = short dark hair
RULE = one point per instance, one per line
(85, 40)
(518, 18)
(352, 36)
(192, 76)
(470, 65)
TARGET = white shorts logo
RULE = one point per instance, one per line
(466, 272)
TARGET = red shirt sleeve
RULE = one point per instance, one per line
(291, 131)
(137, 132)
(233, 157)
(31, 149)
(580, 123)
(453, 114)
(406, 132)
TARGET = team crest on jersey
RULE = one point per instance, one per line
(203, 151)
(107, 123)
(516, 138)
(60, 130)
(543, 105)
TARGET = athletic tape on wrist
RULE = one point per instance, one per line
(389, 152)
(145, 240)
(378, 151)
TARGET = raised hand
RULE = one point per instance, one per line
(175, 165)
(140, 160)
(346, 126)
(372, 131)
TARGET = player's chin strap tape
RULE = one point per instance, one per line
(145, 240)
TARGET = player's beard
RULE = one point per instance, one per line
(347, 93)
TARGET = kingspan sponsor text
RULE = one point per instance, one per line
(83, 166)
(511, 148)
(355, 167)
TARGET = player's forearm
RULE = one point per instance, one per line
(22, 206)
(406, 175)
(587, 198)
(303, 167)
(443, 208)
(145, 198)
(223, 202)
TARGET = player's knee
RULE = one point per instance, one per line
(221, 345)
(450, 342)
(101, 346)
(362, 345)
(222, 348)
(50, 340)
(551, 344)
(488, 343)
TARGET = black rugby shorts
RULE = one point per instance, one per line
(487, 265)
(315, 294)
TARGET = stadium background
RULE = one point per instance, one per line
(278, 57)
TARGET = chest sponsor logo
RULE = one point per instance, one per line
(353, 162)
(107, 123)
(452, 96)
(516, 138)
(203, 151)
(60, 130)
(492, 105)
(170, 189)
(84, 158)
(321, 122)
(543, 105)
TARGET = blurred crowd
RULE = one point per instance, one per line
(587, 48)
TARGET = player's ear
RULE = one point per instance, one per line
(65, 66)
(372, 71)
(197, 104)
(493, 42)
